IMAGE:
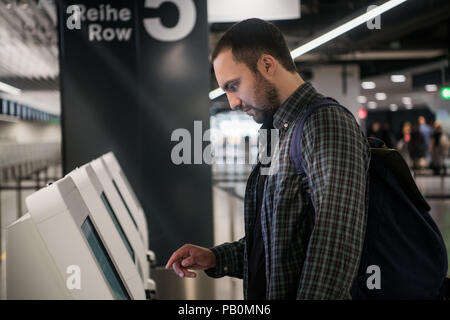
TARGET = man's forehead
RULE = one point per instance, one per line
(224, 54)
(224, 60)
(226, 68)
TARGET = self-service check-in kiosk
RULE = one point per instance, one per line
(129, 218)
(69, 246)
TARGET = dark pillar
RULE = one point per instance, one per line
(127, 95)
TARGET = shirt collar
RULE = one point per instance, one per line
(289, 110)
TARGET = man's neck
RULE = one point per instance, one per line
(288, 85)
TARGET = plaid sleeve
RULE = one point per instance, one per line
(229, 260)
(336, 158)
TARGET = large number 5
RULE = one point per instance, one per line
(186, 21)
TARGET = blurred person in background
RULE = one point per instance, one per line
(382, 132)
(387, 136)
(403, 143)
(417, 148)
(374, 130)
(439, 145)
(426, 130)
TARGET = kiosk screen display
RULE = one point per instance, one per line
(103, 259)
(125, 204)
(127, 183)
(117, 224)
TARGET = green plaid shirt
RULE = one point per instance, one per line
(311, 252)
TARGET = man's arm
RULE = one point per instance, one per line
(229, 260)
(335, 156)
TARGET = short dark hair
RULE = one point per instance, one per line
(251, 38)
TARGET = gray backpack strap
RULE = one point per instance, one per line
(296, 142)
(296, 145)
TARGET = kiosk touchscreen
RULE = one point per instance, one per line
(65, 248)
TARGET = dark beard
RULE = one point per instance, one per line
(267, 97)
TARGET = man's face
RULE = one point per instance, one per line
(251, 93)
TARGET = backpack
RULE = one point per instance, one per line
(401, 238)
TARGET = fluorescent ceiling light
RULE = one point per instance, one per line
(393, 107)
(431, 88)
(376, 11)
(362, 99)
(407, 100)
(409, 106)
(380, 96)
(368, 85)
(345, 27)
(9, 89)
(398, 78)
(216, 93)
(372, 104)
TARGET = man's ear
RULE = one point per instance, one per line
(267, 65)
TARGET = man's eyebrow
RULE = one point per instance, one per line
(229, 83)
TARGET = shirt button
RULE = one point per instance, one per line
(286, 125)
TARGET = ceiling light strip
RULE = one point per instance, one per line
(345, 27)
(9, 89)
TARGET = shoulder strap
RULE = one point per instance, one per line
(296, 142)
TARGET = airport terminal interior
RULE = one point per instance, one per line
(87, 120)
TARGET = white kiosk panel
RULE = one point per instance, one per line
(58, 234)
(119, 235)
(118, 204)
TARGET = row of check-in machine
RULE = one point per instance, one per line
(85, 236)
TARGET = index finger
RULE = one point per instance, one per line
(177, 255)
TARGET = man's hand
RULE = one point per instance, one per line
(191, 257)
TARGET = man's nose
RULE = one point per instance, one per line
(234, 101)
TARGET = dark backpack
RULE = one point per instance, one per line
(401, 238)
